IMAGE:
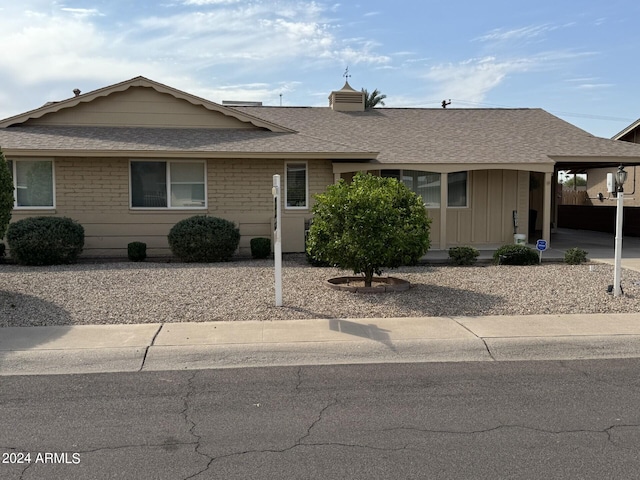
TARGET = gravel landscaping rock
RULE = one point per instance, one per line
(108, 293)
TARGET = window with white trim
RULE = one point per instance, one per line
(296, 185)
(33, 183)
(170, 184)
(427, 186)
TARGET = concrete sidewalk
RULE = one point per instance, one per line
(178, 346)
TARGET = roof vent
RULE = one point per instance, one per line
(76, 92)
(347, 99)
(240, 103)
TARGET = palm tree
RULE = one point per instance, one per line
(373, 99)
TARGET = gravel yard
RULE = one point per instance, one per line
(106, 293)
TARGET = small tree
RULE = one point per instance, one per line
(368, 224)
(6, 195)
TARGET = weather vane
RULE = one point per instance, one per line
(346, 73)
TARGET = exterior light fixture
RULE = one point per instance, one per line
(621, 177)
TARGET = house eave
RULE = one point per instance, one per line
(334, 156)
(443, 167)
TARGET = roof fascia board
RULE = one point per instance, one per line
(356, 157)
(443, 167)
(143, 82)
(598, 159)
(628, 129)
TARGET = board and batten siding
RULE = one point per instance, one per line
(488, 220)
(95, 192)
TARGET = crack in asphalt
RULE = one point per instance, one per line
(298, 442)
(608, 431)
(25, 471)
(299, 376)
(189, 421)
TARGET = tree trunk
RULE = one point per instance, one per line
(368, 277)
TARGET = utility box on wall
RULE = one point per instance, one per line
(611, 183)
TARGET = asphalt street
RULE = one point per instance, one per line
(475, 420)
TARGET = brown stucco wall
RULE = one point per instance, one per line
(597, 183)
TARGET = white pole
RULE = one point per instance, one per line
(277, 248)
(617, 291)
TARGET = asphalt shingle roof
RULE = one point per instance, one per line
(450, 135)
(385, 135)
(131, 139)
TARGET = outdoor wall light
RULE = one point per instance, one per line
(621, 177)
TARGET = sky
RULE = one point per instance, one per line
(577, 60)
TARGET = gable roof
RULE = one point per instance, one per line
(53, 107)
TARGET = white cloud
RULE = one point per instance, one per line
(594, 86)
(201, 3)
(472, 79)
(83, 12)
(502, 35)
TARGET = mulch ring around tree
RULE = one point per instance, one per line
(378, 284)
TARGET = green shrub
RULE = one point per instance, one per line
(137, 251)
(6, 195)
(310, 255)
(45, 240)
(463, 255)
(204, 239)
(515, 255)
(368, 224)
(2, 250)
(260, 247)
(575, 256)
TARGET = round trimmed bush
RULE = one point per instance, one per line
(260, 247)
(45, 240)
(515, 255)
(137, 251)
(575, 256)
(463, 255)
(204, 239)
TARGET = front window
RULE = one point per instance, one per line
(33, 183)
(167, 184)
(296, 186)
(427, 186)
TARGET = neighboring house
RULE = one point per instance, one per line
(130, 160)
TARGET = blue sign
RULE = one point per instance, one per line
(541, 245)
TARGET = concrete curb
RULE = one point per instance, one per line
(171, 346)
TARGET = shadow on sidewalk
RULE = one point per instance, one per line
(16, 330)
(370, 331)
